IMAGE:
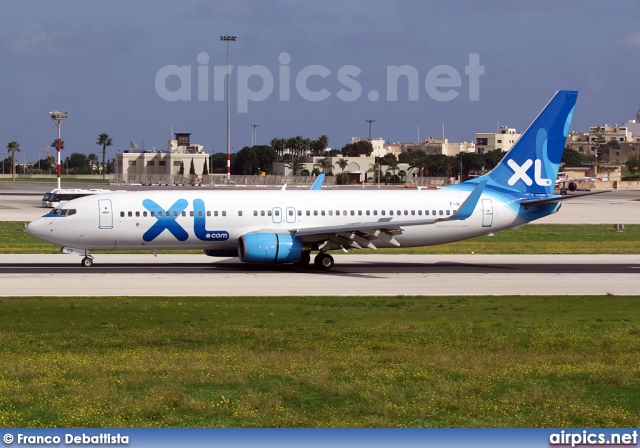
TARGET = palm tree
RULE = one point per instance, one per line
(448, 165)
(420, 163)
(104, 140)
(12, 147)
(393, 167)
(54, 145)
(323, 164)
(93, 160)
(279, 144)
(342, 163)
(295, 166)
(374, 168)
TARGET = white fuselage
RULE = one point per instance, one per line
(131, 220)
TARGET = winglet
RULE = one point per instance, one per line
(317, 185)
(469, 205)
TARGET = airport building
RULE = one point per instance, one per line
(179, 151)
(503, 140)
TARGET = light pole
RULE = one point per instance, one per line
(370, 121)
(228, 39)
(253, 141)
(58, 116)
(2, 154)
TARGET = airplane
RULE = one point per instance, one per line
(284, 226)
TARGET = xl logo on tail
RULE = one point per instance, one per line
(520, 173)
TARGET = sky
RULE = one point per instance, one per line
(137, 70)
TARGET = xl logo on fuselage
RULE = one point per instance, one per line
(167, 220)
(520, 173)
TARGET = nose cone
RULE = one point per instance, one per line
(38, 228)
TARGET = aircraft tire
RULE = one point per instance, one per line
(323, 262)
(87, 262)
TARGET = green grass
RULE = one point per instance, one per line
(303, 361)
(531, 239)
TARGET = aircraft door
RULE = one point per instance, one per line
(487, 213)
(291, 215)
(105, 218)
(276, 215)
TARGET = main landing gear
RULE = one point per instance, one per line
(323, 261)
(87, 261)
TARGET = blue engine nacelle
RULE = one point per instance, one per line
(269, 248)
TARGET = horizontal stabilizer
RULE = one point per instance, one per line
(317, 185)
(534, 202)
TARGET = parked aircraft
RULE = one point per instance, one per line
(288, 226)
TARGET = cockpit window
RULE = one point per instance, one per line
(63, 211)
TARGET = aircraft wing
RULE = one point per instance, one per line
(364, 234)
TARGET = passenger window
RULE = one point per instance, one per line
(215, 213)
(390, 212)
(144, 214)
(315, 213)
(448, 212)
(359, 212)
(239, 212)
(352, 213)
(322, 212)
(277, 212)
(433, 212)
(299, 212)
(290, 212)
(199, 213)
(440, 212)
(224, 213)
(382, 212)
(261, 212)
(268, 212)
(368, 212)
(153, 214)
(122, 214)
(426, 212)
(330, 212)
(175, 213)
(129, 214)
(209, 213)
(137, 214)
(399, 212)
(184, 213)
(413, 212)
(255, 213)
(191, 213)
(420, 212)
(406, 212)
(308, 212)
(344, 212)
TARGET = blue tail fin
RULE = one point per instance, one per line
(531, 166)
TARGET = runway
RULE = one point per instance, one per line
(366, 275)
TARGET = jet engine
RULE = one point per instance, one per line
(270, 248)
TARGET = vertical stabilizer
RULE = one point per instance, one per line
(531, 166)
